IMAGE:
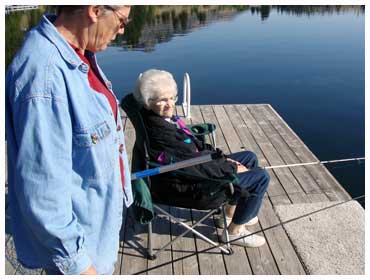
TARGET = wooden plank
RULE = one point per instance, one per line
(278, 140)
(134, 248)
(275, 191)
(184, 255)
(228, 130)
(237, 263)
(317, 197)
(322, 176)
(161, 236)
(261, 259)
(128, 124)
(118, 264)
(210, 117)
(286, 178)
(180, 113)
(211, 261)
(12, 266)
(123, 116)
(11, 262)
(302, 175)
(235, 144)
(130, 137)
(228, 120)
(285, 256)
(186, 246)
(26, 271)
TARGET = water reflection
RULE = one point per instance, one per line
(157, 24)
(152, 25)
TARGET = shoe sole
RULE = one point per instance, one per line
(221, 225)
(250, 223)
(245, 245)
(248, 245)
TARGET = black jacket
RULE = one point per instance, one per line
(191, 187)
(177, 145)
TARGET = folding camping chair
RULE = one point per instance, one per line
(218, 192)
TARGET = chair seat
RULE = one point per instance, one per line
(202, 195)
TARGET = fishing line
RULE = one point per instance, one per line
(265, 229)
(314, 162)
(299, 217)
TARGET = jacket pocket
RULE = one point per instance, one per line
(93, 152)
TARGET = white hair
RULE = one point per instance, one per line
(150, 84)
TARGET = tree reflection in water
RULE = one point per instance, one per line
(152, 24)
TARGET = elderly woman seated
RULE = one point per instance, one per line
(169, 139)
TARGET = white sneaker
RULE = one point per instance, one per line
(220, 222)
(252, 241)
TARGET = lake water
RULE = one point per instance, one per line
(308, 63)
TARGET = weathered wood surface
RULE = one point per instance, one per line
(258, 128)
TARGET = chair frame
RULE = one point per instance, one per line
(228, 250)
(151, 255)
(221, 209)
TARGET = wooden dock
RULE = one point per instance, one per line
(258, 128)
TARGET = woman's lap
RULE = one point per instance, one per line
(255, 181)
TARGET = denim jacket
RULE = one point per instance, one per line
(65, 192)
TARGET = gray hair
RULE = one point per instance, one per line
(78, 9)
(150, 84)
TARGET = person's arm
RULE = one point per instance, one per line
(43, 184)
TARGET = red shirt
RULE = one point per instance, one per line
(98, 85)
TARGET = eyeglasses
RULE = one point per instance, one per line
(164, 101)
(124, 21)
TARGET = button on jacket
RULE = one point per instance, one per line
(65, 192)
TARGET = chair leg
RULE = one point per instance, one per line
(151, 256)
(228, 245)
(192, 229)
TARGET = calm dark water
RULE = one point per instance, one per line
(307, 62)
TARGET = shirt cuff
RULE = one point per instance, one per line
(75, 264)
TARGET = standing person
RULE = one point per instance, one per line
(169, 139)
(69, 177)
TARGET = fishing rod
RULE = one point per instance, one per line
(210, 157)
(313, 162)
(174, 166)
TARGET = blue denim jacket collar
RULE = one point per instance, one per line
(69, 55)
(66, 51)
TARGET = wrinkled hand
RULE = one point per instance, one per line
(219, 152)
(240, 167)
(90, 271)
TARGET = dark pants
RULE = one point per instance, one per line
(255, 181)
